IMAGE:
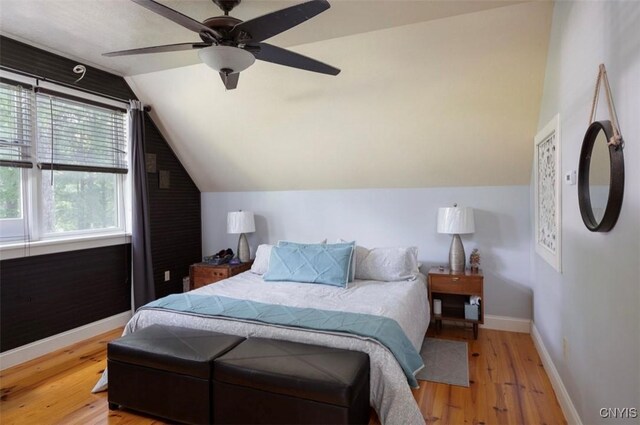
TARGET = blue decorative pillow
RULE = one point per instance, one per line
(310, 263)
(352, 267)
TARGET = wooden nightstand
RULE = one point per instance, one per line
(454, 289)
(201, 274)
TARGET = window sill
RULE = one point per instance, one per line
(20, 249)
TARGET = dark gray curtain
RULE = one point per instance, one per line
(143, 285)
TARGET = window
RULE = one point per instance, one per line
(82, 151)
(63, 164)
(15, 146)
(74, 201)
(10, 193)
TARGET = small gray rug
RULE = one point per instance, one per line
(445, 362)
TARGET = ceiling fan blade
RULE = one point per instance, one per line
(158, 49)
(230, 80)
(274, 54)
(266, 26)
(177, 17)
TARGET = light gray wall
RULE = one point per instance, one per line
(394, 217)
(594, 303)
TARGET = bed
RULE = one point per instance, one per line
(403, 301)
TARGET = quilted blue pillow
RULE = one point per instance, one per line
(352, 267)
(310, 263)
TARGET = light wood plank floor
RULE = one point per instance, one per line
(508, 386)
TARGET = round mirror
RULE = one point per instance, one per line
(600, 178)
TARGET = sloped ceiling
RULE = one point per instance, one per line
(451, 102)
(430, 94)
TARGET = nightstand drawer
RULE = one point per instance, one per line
(204, 275)
(456, 284)
(207, 273)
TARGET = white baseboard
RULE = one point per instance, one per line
(505, 323)
(44, 346)
(569, 410)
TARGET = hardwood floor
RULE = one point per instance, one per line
(508, 386)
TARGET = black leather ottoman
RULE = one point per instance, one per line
(263, 381)
(166, 371)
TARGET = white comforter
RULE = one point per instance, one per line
(405, 302)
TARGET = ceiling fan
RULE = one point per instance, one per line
(230, 45)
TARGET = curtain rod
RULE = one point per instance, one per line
(71, 86)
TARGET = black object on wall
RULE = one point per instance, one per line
(48, 294)
(27, 283)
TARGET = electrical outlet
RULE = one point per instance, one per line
(167, 276)
(565, 349)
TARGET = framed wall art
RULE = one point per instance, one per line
(547, 199)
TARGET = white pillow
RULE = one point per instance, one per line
(263, 253)
(261, 263)
(321, 242)
(387, 264)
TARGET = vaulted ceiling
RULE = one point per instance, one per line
(432, 93)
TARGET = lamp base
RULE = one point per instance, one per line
(456, 255)
(243, 249)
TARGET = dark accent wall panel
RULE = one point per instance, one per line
(25, 58)
(49, 294)
(44, 295)
(176, 228)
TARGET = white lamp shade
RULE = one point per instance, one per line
(456, 220)
(240, 222)
(226, 57)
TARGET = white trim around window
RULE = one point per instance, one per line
(51, 246)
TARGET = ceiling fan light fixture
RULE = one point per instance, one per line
(221, 36)
(227, 58)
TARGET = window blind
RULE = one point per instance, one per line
(16, 105)
(77, 136)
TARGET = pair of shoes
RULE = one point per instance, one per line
(224, 252)
(222, 257)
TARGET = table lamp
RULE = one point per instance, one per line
(241, 222)
(456, 221)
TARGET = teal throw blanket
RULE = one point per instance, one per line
(382, 329)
